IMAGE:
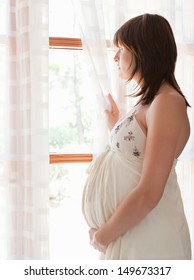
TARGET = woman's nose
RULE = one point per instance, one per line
(116, 57)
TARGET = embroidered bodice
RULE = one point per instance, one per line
(127, 136)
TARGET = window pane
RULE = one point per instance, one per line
(68, 230)
(62, 19)
(72, 105)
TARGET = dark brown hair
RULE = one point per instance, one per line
(150, 38)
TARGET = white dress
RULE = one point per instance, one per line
(163, 233)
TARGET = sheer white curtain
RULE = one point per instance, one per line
(97, 23)
(99, 20)
(24, 158)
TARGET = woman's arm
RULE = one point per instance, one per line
(164, 120)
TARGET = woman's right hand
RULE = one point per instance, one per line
(112, 114)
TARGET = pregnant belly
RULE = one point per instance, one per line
(111, 177)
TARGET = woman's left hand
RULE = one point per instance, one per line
(112, 114)
(94, 242)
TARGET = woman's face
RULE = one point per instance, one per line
(125, 61)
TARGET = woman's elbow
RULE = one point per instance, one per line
(152, 199)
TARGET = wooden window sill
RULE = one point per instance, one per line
(70, 158)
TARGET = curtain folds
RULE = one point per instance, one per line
(98, 21)
(24, 158)
(96, 26)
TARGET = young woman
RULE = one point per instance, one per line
(131, 199)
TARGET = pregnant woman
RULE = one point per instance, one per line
(131, 200)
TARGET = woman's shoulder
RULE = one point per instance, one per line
(167, 116)
(169, 101)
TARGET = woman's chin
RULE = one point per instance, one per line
(122, 77)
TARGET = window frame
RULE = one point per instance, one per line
(58, 158)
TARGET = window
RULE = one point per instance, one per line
(72, 115)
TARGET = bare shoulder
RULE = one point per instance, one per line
(167, 115)
(168, 103)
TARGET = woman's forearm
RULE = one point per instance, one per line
(129, 212)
